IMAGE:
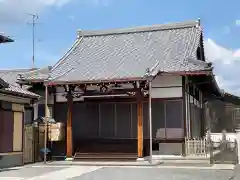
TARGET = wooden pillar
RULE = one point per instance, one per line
(140, 128)
(69, 125)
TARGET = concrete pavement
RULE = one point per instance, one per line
(155, 174)
(43, 172)
(26, 172)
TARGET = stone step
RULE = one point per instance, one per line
(104, 156)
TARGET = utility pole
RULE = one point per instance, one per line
(33, 24)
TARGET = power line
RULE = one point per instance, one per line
(33, 24)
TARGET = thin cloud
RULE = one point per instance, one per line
(216, 52)
(226, 65)
(71, 17)
(226, 30)
(14, 11)
(98, 3)
(237, 22)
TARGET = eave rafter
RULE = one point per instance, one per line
(132, 89)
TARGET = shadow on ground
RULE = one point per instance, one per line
(7, 169)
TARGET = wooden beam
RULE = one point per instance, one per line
(140, 128)
(69, 124)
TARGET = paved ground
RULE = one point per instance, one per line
(115, 173)
(155, 174)
(26, 172)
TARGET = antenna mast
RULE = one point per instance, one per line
(33, 24)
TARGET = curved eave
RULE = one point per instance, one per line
(20, 94)
(75, 44)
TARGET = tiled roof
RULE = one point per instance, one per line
(11, 76)
(128, 53)
(3, 84)
(36, 75)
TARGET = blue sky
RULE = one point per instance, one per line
(60, 19)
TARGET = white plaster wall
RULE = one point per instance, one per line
(167, 86)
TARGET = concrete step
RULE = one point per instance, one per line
(104, 157)
(193, 161)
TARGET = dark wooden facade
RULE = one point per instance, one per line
(121, 124)
(118, 121)
(118, 125)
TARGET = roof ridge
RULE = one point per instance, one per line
(38, 69)
(156, 27)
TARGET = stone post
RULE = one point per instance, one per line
(238, 142)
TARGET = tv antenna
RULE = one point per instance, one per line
(33, 24)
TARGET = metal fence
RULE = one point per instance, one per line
(221, 118)
(224, 151)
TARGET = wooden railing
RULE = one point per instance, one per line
(196, 147)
